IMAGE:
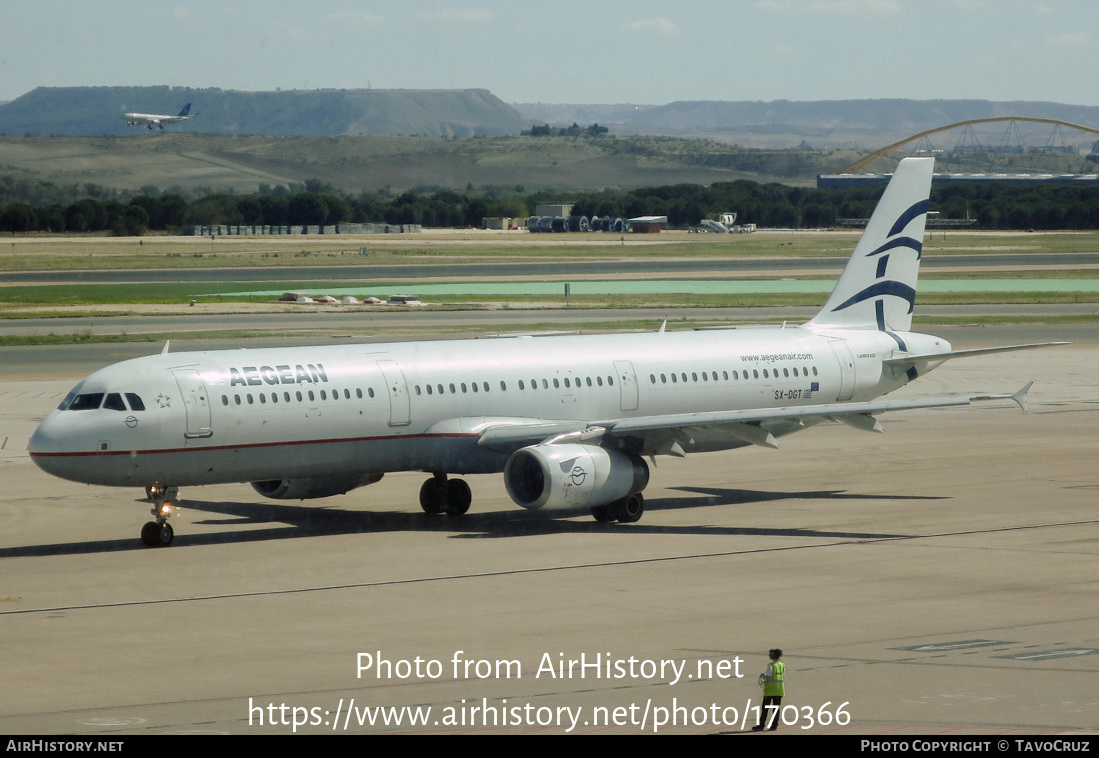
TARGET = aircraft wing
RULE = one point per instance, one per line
(748, 425)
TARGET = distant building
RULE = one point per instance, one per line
(554, 209)
(648, 224)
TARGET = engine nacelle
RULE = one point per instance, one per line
(554, 477)
(307, 489)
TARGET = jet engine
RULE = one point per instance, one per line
(554, 477)
(307, 489)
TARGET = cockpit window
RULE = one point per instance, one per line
(70, 397)
(86, 402)
(135, 402)
(114, 402)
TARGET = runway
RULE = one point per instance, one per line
(938, 578)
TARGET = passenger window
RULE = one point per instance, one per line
(503, 387)
(135, 402)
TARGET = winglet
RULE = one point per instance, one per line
(1020, 396)
(165, 350)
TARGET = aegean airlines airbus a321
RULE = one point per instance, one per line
(568, 420)
(150, 120)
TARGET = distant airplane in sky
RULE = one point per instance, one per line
(150, 120)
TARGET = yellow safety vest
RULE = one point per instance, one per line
(776, 686)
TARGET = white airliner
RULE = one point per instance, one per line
(568, 420)
(151, 119)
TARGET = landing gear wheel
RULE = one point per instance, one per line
(458, 497)
(629, 509)
(150, 534)
(157, 535)
(602, 513)
(433, 495)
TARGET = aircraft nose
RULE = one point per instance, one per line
(47, 443)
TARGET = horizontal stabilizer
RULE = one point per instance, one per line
(928, 357)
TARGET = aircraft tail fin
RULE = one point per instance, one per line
(877, 289)
(186, 110)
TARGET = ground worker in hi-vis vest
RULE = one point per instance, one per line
(773, 681)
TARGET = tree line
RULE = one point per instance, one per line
(994, 206)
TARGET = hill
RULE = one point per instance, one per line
(98, 111)
(198, 162)
(835, 124)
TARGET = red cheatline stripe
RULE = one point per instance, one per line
(337, 440)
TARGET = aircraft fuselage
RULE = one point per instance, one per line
(345, 411)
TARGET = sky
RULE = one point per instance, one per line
(569, 51)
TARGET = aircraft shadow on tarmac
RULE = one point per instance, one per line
(295, 521)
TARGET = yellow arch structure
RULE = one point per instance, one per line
(860, 165)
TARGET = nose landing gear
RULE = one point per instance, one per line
(159, 533)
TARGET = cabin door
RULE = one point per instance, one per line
(398, 393)
(196, 402)
(627, 384)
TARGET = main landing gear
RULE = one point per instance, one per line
(159, 533)
(626, 511)
(441, 495)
